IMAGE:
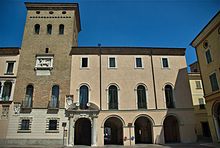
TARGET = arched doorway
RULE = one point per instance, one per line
(171, 130)
(143, 130)
(216, 115)
(82, 134)
(113, 131)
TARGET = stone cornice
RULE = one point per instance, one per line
(127, 51)
(9, 51)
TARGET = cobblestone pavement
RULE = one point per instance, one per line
(195, 145)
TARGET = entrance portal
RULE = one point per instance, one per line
(171, 130)
(82, 134)
(143, 130)
(216, 114)
(113, 131)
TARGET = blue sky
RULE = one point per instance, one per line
(144, 23)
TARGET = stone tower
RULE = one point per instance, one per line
(43, 79)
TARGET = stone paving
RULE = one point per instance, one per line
(194, 145)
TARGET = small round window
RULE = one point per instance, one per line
(64, 12)
(51, 12)
(37, 12)
(205, 44)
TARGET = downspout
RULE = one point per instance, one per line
(100, 75)
(152, 67)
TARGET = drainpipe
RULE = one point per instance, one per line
(152, 67)
(100, 74)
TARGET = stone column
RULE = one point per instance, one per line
(1, 90)
(71, 132)
(12, 91)
(94, 131)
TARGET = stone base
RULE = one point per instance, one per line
(57, 142)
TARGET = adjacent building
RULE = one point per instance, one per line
(202, 125)
(107, 95)
(207, 44)
(9, 58)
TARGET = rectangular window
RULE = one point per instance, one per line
(10, 67)
(198, 85)
(53, 125)
(208, 56)
(214, 82)
(201, 103)
(112, 62)
(25, 124)
(84, 62)
(165, 63)
(139, 63)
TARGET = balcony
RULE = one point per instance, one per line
(5, 100)
(26, 104)
(53, 105)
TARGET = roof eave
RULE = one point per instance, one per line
(193, 42)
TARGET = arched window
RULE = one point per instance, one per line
(28, 96)
(36, 28)
(141, 95)
(61, 29)
(49, 29)
(83, 97)
(113, 97)
(54, 97)
(169, 96)
(6, 91)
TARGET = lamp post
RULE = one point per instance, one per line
(64, 132)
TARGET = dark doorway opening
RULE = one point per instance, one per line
(113, 131)
(205, 129)
(82, 134)
(171, 130)
(143, 130)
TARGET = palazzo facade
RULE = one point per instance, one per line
(95, 96)
(207, 44)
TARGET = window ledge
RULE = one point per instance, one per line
(112, 68)
(142, 109)
(52, 131)
(9, 73)
(165, 68)
(84, 68)
(5, 101)
(43, 68)
(139, 68)
(24, 131)
(45, 55)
